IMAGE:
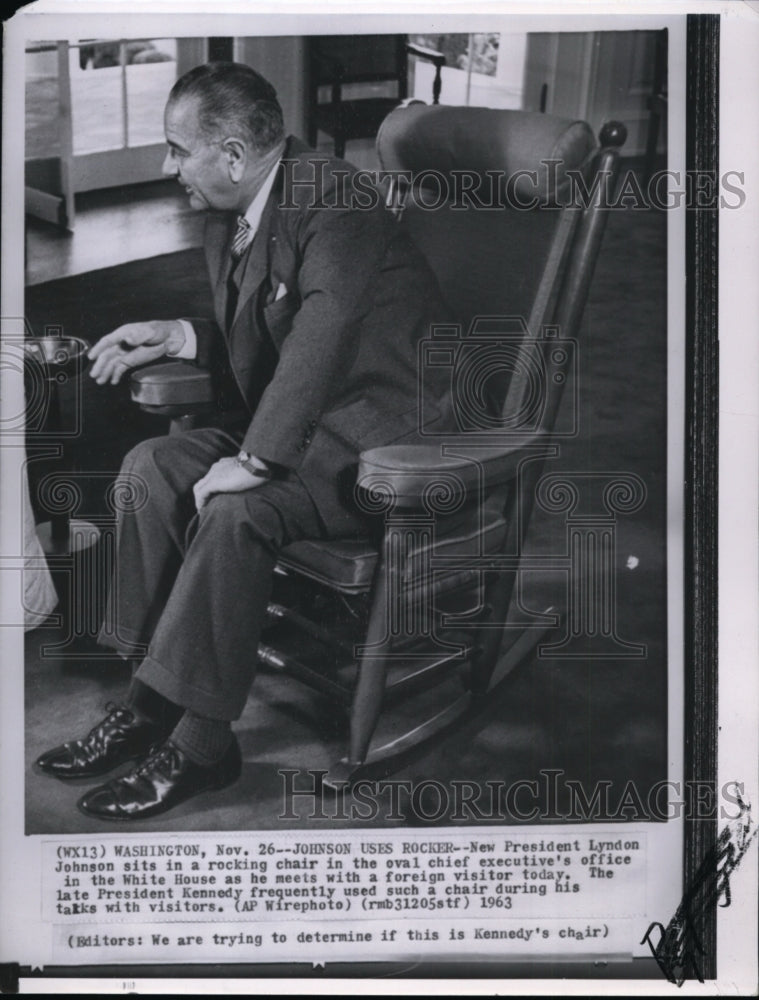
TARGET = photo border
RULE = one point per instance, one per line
(700, 591)
(701, 457)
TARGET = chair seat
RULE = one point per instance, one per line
(348, 565)
(359, 119)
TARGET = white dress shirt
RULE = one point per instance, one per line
(253, 216)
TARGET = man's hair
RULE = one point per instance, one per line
(233, 99)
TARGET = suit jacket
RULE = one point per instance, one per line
(330, 368)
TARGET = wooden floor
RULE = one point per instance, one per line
(119, 225)
(113, 227)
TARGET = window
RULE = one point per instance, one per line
(113, 92)
(485, 69)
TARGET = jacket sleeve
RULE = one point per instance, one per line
(208, 339)
(340, 254)
(208, 334)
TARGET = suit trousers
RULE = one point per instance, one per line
(190, 588)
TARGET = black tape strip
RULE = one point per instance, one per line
(9, 973)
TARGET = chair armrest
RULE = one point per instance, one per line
(409, 472)
(173, 388)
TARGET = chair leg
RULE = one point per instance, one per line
(523, 646)
(483, 664)
(369, 692)
(370, 683)
(364, 715)
(367, 707)
(178, 425)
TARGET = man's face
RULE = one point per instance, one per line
(202, 167)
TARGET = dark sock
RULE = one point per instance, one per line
(149, 704)
(203, 740)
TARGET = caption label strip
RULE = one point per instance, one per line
(249, 898)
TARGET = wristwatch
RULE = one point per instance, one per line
(259, 471)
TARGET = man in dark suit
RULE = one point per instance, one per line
(319, 307)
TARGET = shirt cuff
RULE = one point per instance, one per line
(190, 347)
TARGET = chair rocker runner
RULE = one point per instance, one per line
(417, 610)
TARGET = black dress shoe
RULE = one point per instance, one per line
(163, 780)
(119, 738)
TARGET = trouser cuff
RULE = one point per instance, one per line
(211, 705)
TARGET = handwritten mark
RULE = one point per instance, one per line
(679, 949)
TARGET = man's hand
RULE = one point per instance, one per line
(224, 476)
(133, 345)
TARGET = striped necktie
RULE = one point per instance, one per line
(242, 238)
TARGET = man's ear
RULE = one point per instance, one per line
(236, 154)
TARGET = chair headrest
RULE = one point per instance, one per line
(420, 138)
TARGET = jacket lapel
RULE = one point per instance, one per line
(218, 240)
(252, 270)
(255, 269)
